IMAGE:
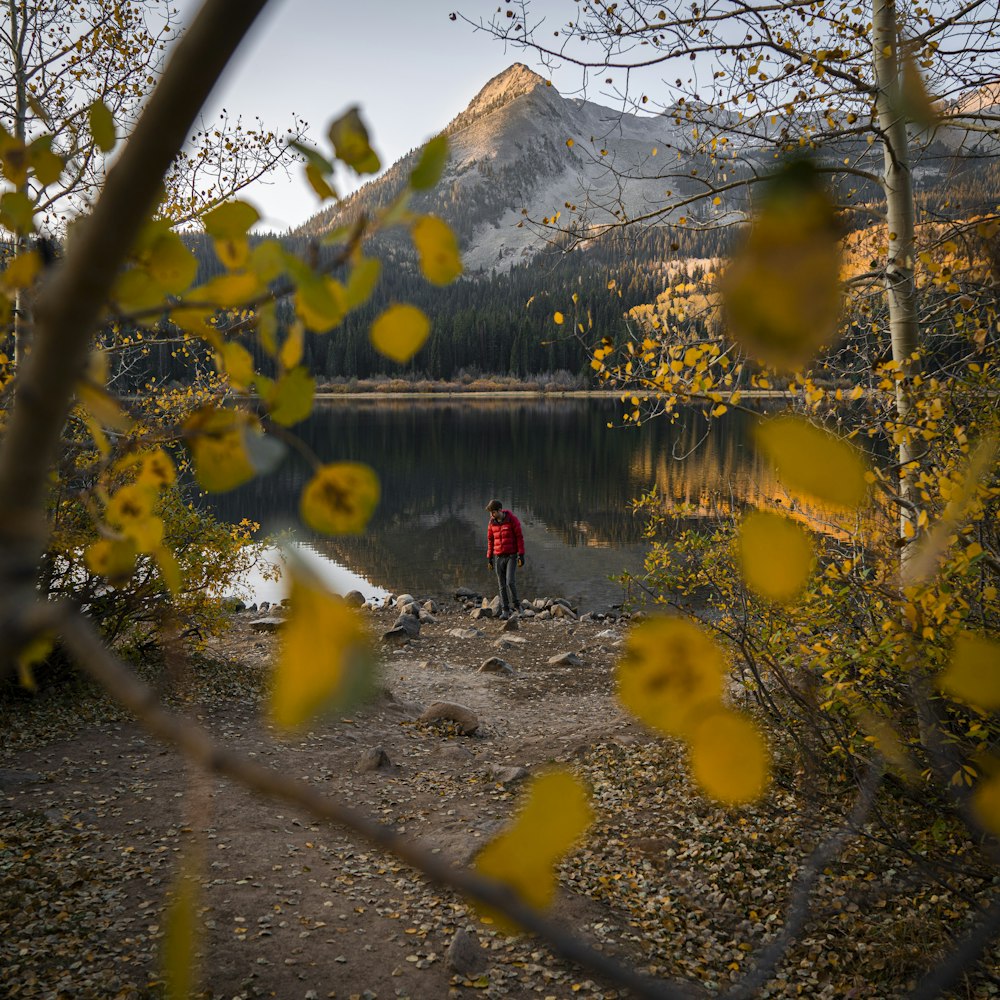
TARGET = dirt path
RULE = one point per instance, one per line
(294, 910)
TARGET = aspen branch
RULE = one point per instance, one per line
(197, 745)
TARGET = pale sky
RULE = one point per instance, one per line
(404, 62)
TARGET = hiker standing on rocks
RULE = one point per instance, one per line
(504, 545)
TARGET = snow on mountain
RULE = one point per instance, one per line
(510, 160)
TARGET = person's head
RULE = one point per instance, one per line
(495, 509)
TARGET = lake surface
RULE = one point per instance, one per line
(554, 462)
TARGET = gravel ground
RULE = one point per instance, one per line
(96, 816)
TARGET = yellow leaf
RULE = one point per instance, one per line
(103, 407)
(986, 803)
(671, 672)
(973, 674)
(230, 290)
(268, 260)
(729, 758)
(326, 658)
(319, 184)
(781, 291)
(48, 166)
(113, 559)
(719, 410)
(170, 571)
(216, 440)
(340, 498)
(437, 248)
(320, 303)
(813, 461)
(129, 504)
(558, 318)
(17, 212)
(400, 332)
(555, 815)
(102, 126)
(30, 655)
(180, 937)
(22, 270)
(430, 167)
(231, 221)
(350, 142)
(291, 350)
(291, 398)
(776, 555)
(915, 102)
(170, 263)
(237, 362)
(361, 283)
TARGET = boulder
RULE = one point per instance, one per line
(463, 592)
(465, 955)
(396, 637)
(480, 613)
(445, 711)
(375, 759)
(467, 633)
(270, 624)
(561, 611)
(354, 599)
(507, 775)
(565, 660)
(510, 625)
(430, 607)
(494, 665)
(410, 623)
(403, 599)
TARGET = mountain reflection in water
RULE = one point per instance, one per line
(554, 462)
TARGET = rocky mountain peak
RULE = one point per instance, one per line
(514, 82)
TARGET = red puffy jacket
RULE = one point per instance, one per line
(504, 538)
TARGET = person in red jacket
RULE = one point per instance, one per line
(505, 548)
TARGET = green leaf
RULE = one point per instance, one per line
(350, 141)
(291, 399)
(362, 281)
(430, 167)
(102, 126)
(17, 212)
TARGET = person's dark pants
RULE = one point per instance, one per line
(506, 566)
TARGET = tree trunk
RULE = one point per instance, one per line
(900, 288)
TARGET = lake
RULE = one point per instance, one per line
(553, 461)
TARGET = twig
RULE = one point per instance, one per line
(969, 951)
(798, 906)
(86, 645)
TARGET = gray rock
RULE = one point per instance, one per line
(561, 611)
(507, 775)
(565, 660)
(396, 637)
(375, 759)
(544, 616)
(481, 613)
(354, 599)
(426, 618)
(510, 625)
(12, 778)
(494, 665)
(510, 642)
(403, 600)
(270, 624)
(465, 955)
(539, 604)
(467, 633)
(410, 623)
(608, 633)
(463, 592)
(430, 607)
(445, 711)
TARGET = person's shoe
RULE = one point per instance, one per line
(503, 616)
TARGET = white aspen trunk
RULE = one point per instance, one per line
(900, 288)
